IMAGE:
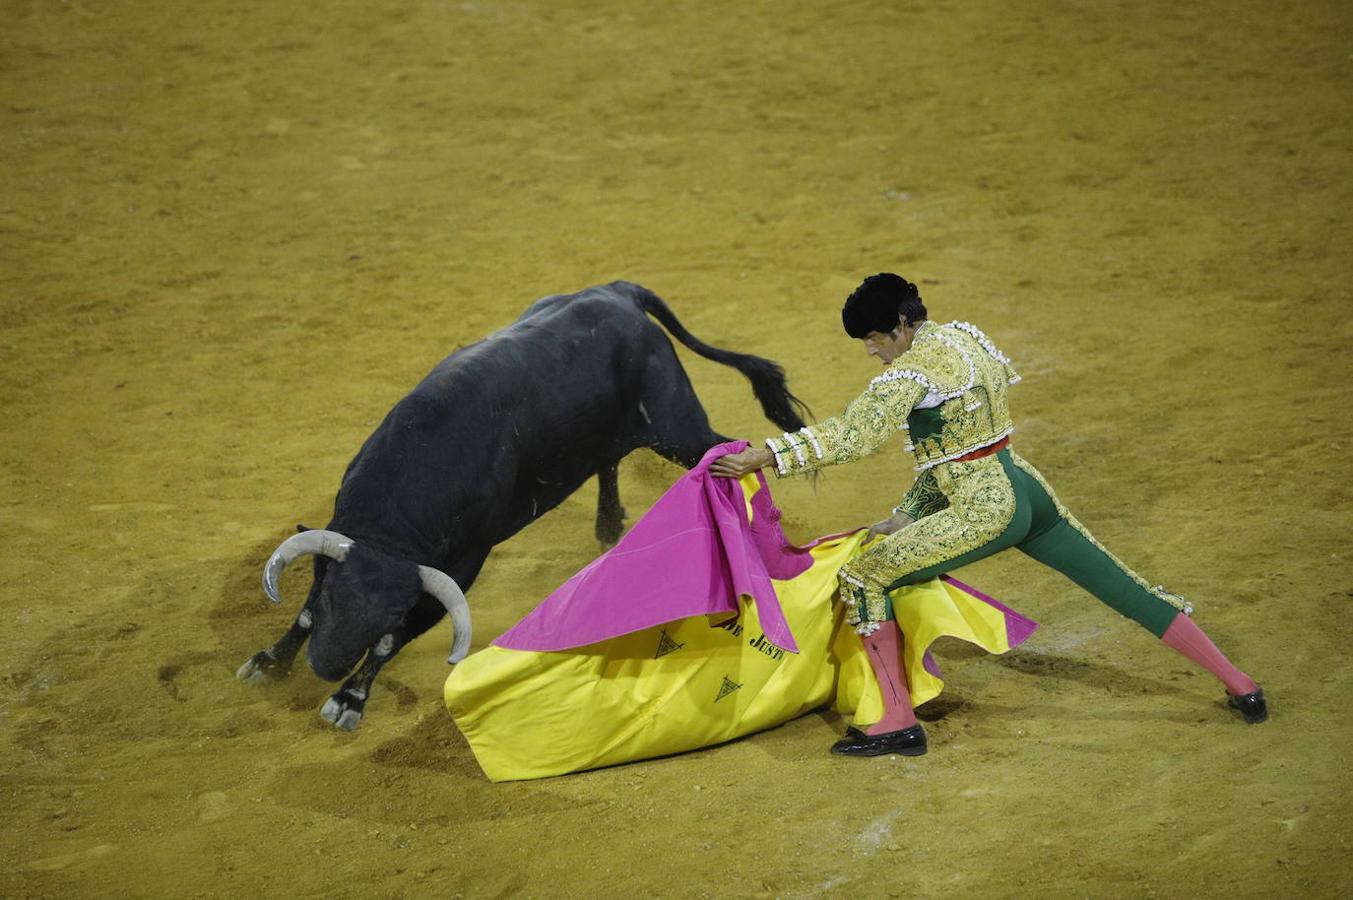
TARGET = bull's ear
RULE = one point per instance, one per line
(300, 528)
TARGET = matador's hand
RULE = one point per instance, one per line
(735, 465)
(891, 525)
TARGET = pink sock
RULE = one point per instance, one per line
(884, 649)
(1188, 639)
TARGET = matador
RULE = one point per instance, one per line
(945, 387)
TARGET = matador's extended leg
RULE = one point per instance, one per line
(1068, 547)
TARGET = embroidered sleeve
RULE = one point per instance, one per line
(923, 498)
(866, 424)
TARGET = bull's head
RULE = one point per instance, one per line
(363, 596)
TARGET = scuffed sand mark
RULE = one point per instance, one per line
(66, 860)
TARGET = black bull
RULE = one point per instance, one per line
(499, 433)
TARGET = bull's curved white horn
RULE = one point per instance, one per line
(325, 543)
(444, 588)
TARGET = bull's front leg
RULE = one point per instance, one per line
(346, 707)
(275, 662)
(348, 704)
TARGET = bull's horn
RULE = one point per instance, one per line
(444, 588)
(325, 543)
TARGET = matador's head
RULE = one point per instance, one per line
(884, 311)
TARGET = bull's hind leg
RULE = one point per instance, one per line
(348, 704)
(610, 514)
(684, 435)
(673, 419)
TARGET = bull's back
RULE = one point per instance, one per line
(564, 354)
(552, 385)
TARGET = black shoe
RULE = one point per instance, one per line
(1251, 706)
(907, 742)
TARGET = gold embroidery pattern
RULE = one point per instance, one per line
(981, 506)
(1174, 600)
(923, 498)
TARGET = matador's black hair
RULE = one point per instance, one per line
(880, 303)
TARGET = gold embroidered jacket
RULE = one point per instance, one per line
(948, 391)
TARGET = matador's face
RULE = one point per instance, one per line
(888, 346)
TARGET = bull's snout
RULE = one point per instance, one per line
(329, 663)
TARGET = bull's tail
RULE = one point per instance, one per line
(767, 378)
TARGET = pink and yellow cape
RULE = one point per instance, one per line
(701, 625)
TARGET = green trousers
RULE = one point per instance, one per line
(995, 503)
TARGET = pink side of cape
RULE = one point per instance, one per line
(694, 553)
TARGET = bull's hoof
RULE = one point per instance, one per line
(343, 711)
(262, 666)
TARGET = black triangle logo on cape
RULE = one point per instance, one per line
(728, 687)
(666, 645)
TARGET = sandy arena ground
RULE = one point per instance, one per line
(232, 235)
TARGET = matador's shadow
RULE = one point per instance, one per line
(1111, 681)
